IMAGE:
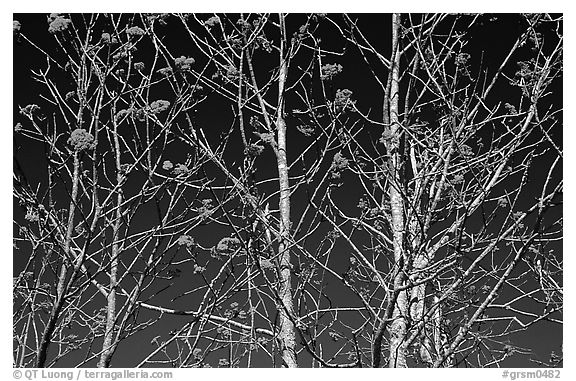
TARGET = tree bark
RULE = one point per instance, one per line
(61, 286)
(398, 327)
(109, 343)
(286, 336)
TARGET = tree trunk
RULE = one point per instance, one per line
(398, 327)
(286, 336)
(61, 286)
(109, 343)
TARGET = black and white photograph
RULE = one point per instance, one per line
(287, 190)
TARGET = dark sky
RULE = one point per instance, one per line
(490, 41)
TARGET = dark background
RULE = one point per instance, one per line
(493, 38)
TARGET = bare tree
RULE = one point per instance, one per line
(464, 167)
(205, 185)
